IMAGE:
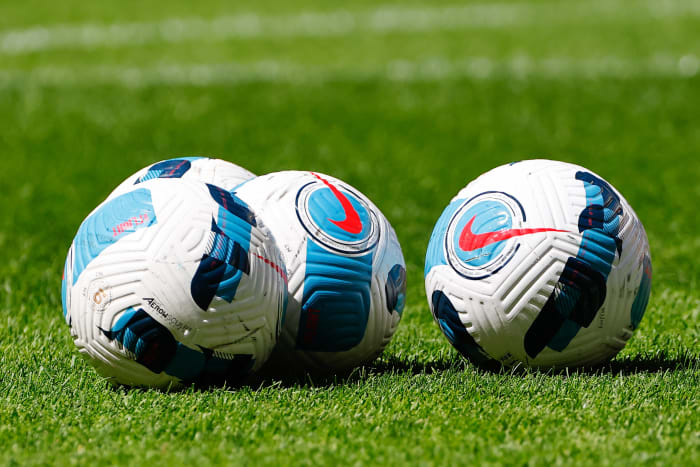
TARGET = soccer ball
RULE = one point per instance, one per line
(540, 263)
(347, 275)
(221, 173)
(174, 283)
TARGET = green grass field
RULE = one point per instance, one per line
(407, 101)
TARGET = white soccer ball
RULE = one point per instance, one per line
(173, 283)
(224, 174)
(540, 263)
(347, 276)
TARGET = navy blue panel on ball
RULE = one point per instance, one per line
(607, 212)
(224, 262)
(450, 324)
(395, 289)
(206, 280)
(581, 288)
(151, 343)
(642, 299)
(232, 204)
(155, 347)
(225, 259)
(577, 296)
(173, 168)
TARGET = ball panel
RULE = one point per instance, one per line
(336, 301)
(114, 220)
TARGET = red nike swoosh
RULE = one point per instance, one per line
(469, 241)
(352, 223)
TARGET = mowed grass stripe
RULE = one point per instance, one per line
(382, 19)
(435, 69)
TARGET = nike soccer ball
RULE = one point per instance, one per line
(221, 173)
(347, 276)
(540, 263)
(174, 283)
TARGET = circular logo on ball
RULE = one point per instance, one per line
(98, 295)
(337, 217)
(483, 234)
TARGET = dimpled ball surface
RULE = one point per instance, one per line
(172, 283)
(541, 263)
(347, 277)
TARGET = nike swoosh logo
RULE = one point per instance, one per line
(352, 223)
(469, 241)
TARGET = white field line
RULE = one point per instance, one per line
(380, 20)
(435, 69)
